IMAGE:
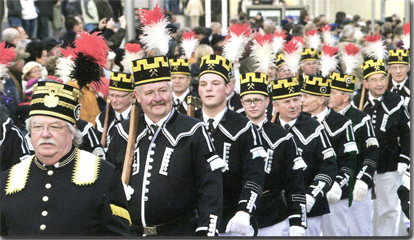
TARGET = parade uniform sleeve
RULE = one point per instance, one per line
(90, 141)
(117, 148)
(295, 185)
(404, 135)
(253, 176)
(98, 126)
(115, 216)
(346, 155)
(371, 153)
(323, 180)
(209, 175)
(14, 147)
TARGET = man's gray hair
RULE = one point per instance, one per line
(9, 34)
(326, 101)
(77, 134)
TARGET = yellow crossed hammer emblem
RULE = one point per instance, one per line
(211, 66)
(175, 68)
(400, 58)
(377, 68)
(291, 89)
(115, 83)
(250, 85)
(153, 71)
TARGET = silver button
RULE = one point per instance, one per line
(152, 152)
(147, 182)
(149, 131)
(149, 167)
(45, 198)
(149, 174)
(145, 198)
(42, 227)
(50, 172)
(153, 145)
(150, 160)
(150, 138)
(48, 185)
(146, 190)
(44, 213)
(373, 121)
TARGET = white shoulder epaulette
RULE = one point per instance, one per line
(18, 176)
(86, 168)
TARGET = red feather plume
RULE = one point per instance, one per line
(326, 28)
(238, 29)
(263, 39)
(68, 52)
(92, 46)
(188, 35)
(280, 34)
(373, 38)
(149, 17)
(133, 47)
(298, 39)
(406, 28)
(329, 51)
(290, 47)
(311, 33)
(351, 49)
(6, 54)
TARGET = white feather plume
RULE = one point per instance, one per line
(156, 36)
(64, 67)
(262, 52)
(3, 69)
(128, 58)
(292, 54)
(189, 45)
(328, 60)
(314, 40)
(278, 41)
(352, 59)
(375, 48)
(233, 47)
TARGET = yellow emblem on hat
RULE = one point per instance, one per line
(51, 100)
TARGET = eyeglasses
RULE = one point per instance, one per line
(250, 101)
(376, 80)
(51, 128)
(395, 68)
(118, 96)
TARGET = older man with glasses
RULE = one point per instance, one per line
(120, 98)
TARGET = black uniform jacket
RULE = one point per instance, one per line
(182, 107)
(99, 125)
(234, 103)
(405, 92)
(82, 197)
(175, 171)
(367, 158)
(340, 132)
(317, 152)
(391, 122)
(237, 142)
(284, 189)
(13, 145)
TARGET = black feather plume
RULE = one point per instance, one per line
(86, 71)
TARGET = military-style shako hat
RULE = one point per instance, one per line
(343, 82)
(314, 42)
(316, 85)
(309, 54)
(285, 88)
(56, 100)
(399, 56)
(121, 82)
(351, 59)
(372, 66)
(216, 64)
(180, 66)
(280, 59)
(375, 52)
(150, 70)
(253, 82)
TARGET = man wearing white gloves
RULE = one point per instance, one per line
(315, 98)
(391, 122)
(358, 215)
(237, 142)
(313, 145)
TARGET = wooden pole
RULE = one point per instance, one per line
(105, 128)
(133, 129)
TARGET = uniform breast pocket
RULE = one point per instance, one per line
(165, 163)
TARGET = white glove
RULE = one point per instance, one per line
(128, 191)
(402, 167)
(239, 224)
(360, 190)
(296, 231)
(310, 201)
(334, 195)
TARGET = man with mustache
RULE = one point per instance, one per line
(237, 142)
(176, 173)
(61, 190)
